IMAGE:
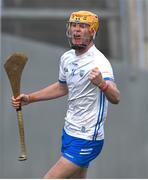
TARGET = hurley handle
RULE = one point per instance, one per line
(23, 153)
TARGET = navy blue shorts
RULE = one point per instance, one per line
(80, 151)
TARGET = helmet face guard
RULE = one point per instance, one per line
(82, 17)
(76, 41)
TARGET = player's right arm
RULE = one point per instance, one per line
(52, 91)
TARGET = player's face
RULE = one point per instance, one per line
(80, 33)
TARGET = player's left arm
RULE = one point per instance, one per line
(111, 91)
(107, 86)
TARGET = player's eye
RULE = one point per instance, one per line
(82, 25)
(73, 24)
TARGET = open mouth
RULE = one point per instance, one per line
(77, 36)
(77, 39)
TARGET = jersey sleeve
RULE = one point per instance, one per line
(62, 76)
(107, 71)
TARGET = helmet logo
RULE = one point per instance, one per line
(77, 20)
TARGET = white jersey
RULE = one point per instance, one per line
(87, 105)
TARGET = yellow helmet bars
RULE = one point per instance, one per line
(86, 17)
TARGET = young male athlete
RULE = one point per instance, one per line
(87, 77)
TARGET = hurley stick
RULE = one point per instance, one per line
(14, 67)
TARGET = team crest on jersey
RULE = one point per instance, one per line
(82, 73)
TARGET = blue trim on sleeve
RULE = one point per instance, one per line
(108, 78)
(63, 82)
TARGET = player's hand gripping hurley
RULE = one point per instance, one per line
(14, 67)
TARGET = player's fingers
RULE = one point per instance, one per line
(21, 98)
(18, 98)
(95, 70)
(91, 74)
(15, 104)
(14, 100)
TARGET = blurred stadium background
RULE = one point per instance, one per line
(37, 28)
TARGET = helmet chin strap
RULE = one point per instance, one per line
(78, 47)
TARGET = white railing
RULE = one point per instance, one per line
(32, 13)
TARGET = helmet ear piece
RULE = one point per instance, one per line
(67, 29)
(94, 32)
(94, 36)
